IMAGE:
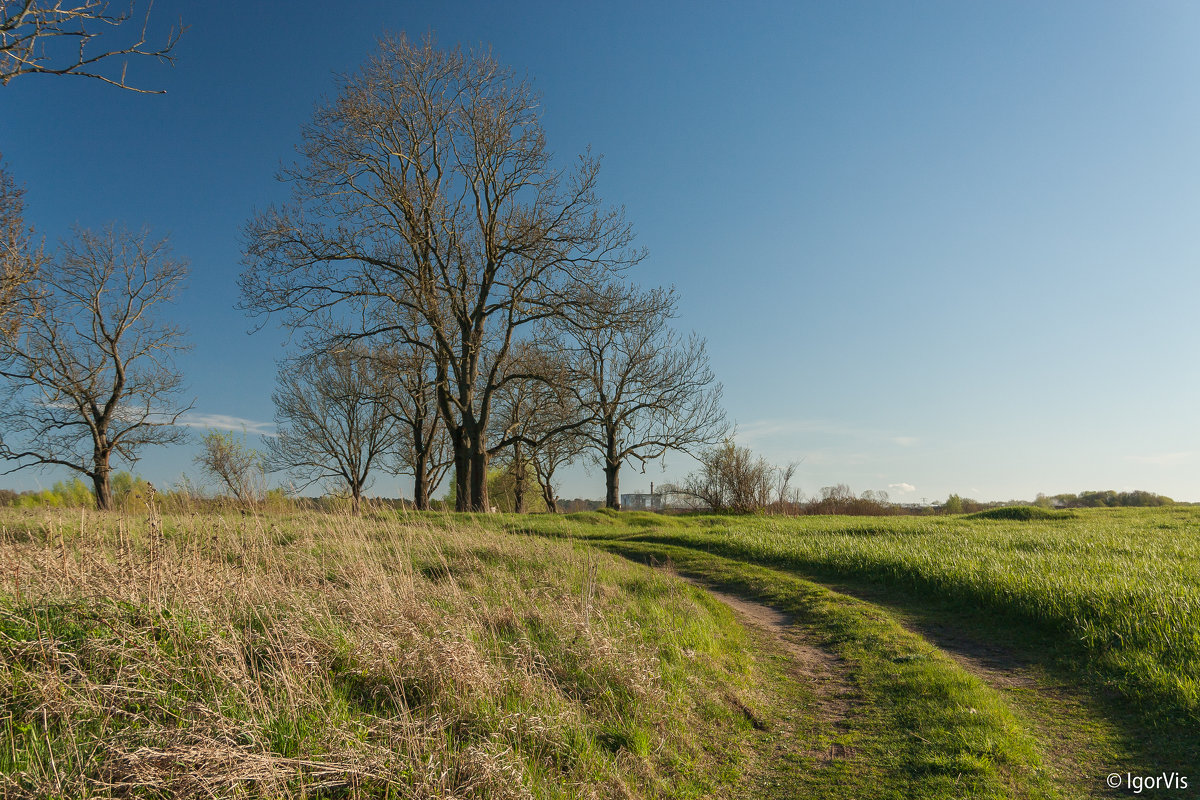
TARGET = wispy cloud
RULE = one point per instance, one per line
(1164, 459)
(901, 488)
(764, 430)
(227, 423)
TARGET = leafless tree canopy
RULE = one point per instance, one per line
(237, 466)
(20, 257)
(90, 373)
(422, 446)
(427, 186)
(648, 389)
(732, 478)
(332, 411)
(536, 420)
(51, 37)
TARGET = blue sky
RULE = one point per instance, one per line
(934, 247)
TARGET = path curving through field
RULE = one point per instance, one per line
(1056, 713)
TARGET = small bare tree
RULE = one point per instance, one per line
(90, 373)
(20, 257)
(648, 390)
(732, 478)
(237, 466)
(536, 419)
(422, 445)
(52, 37)
(334, 421)
(515, 417)
(560, 449)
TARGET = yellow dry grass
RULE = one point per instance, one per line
(233, 655)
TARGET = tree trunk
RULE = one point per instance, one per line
(462, 472)
(421, 483)
(479, 469)
(101, 484)
(355, 498)
(612, 486)
(612, 468)
(548, 496)
(518, 473)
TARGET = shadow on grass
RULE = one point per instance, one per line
(1151, 740)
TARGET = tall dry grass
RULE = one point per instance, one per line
(317, 655)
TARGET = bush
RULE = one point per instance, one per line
(1020, 513)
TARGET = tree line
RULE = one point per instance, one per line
(461, 302)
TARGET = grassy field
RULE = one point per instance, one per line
(1108, 598)
(327, 656)
(1122, 585)
(391, 655)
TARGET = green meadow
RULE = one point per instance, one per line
(395, 655)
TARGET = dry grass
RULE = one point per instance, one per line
(329, 656)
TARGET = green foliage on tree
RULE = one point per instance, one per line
(130, 493)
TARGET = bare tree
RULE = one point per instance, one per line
(239, 467)
(561, 447)
(426, 185)
(536, 420)
(20, 257)
(90, 373)
(514, 418)
(51, 37)
(422, 446)
(649, 390)
(333, 417)
(732, 478)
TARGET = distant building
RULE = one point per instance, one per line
(638, 501)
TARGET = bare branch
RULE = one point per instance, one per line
(53, 37)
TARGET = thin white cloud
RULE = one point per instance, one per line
(225, 422)
(763, 431)
(1164, 459)
(901, 488)
(774, 428)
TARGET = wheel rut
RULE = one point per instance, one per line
(825, 673)
(1053, 710)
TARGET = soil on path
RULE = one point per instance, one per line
(1080, 747)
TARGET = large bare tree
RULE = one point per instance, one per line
(90, 372)
(427, 185)
(20, 256)
(333, 419)
(649, 390)
(88, 38)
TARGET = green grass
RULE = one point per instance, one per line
(1111, 595)
(1122, 585)
(920, 727)
(320, 655)
(438, 655)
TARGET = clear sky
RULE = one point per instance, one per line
(934, 247)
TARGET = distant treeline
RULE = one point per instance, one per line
(132, 493)
(1106, 499)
